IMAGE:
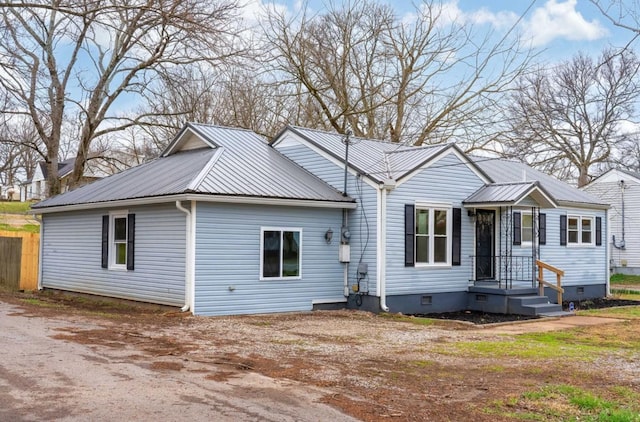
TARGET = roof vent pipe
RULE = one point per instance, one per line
(346, 142)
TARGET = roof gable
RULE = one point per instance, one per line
(377, 160)
(510, 194)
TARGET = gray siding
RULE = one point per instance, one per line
(582, 265)
(362, 221)
(448, 181)
(228, 260)
(72, 256)
(610, 192)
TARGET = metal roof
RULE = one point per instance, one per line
(510, 194)
(240, 163)
(379, 160)
(508, 171)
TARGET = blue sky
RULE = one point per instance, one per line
(558, 28)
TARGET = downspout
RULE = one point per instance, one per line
(388, 185)
(621, 245)
(188, 261)
(40, 249)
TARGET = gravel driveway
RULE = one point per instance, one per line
(44, 378)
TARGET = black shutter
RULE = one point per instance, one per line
(542, 229)
(105, 241)
(517, 232)
(131, 234)
(456, 238)
(409, 230)
(598, 231)
(563, 230)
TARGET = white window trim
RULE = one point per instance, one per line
(434, 207)
(579, 243)
(525, 243)
(281, 230)
(112, 229)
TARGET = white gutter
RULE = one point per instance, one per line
(231, 199)
(188, 284)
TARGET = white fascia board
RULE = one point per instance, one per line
(582, 205)
(288, 135)
(539, 196)
(186, 131)
(199, 197)
(446, 151)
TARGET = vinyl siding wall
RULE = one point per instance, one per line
(610, 193)
(72, 256)
(448, 181)
(583, 265)
(228, 259)
(362, 220)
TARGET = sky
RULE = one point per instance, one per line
(556, 28)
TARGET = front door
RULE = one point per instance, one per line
(485, 235)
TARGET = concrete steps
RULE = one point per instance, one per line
(533, 305)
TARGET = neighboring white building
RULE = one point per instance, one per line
(36, 189)
(621, 189)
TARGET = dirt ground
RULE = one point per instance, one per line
(367, 366)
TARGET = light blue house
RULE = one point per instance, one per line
(225, 223)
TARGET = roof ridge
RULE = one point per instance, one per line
(242, 129)
(381, 141)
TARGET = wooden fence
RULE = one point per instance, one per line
(19, 260)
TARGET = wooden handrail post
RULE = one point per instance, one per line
(559, 283)
(541, 283)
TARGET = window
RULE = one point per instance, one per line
(580, 230)
(432, 235)
(118, 231)
(280, 252)
(527, 228)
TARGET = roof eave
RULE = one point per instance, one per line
(238, 199)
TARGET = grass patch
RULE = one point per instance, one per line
(29, 228)
(570, 403)
(43, 304)
(14, 207)
(625, 279)
(626, 312)
(582, 344)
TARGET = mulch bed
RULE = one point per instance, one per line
(480, 318)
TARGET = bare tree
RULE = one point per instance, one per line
(82, 62)
(622, 13)
(567, 119)
(419, 80)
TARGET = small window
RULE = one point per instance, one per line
(432, 235)
(280, 252)
(118, 231)
(580, 230)
(527, 228)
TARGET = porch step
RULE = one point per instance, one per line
(532, 305)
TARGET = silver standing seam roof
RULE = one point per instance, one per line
(378, 160)
(239, 163)
(508, 171)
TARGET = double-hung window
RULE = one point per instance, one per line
(280, 253)
(432, 235)
(580, 230)
(527, 228)
(118, 231)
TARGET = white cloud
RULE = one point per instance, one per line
(558, 19)
(499, 20)
(253, 11)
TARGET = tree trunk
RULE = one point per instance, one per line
(583, 178)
